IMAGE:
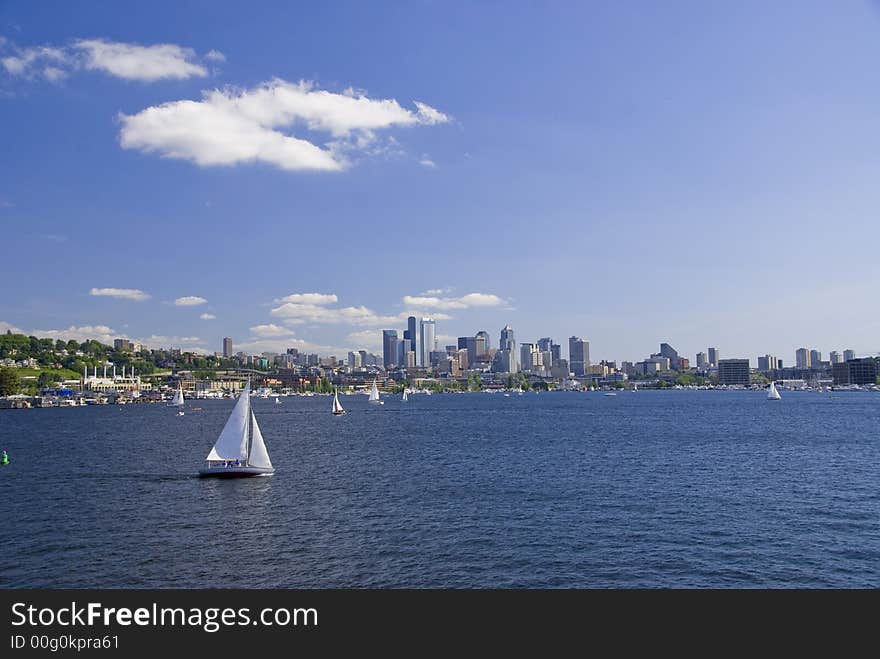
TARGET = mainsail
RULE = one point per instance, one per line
(178, 395)
(374, 392)
(259, 456)
(233, 441)
(337, 408)
(404, 394)
(772, 393)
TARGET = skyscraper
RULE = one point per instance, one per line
(836, 357)
(701, 361)
(578, 355)
(426, 340)
(802, 358)
(815, 358)
(227, 347)
(389, 348)
(849, 354)
(508, 345)
(671, 354)
(713, 357)
(413, 332)
(483, 344)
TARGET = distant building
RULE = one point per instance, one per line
(815, 359)
(227, 347)
(733, 371)
(578, 355)
(413, 332)
(526, 358)
(122, 344)
(683, 363)
(855, 371)
(670, 353)
(836, 357)
(849, 355)
(389, 348)
(701, 361)
(508, 345)
(427, 342)
(481, 345)
(802, 358)
(767, 363)
(713, 357)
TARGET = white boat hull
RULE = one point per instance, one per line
(236, 472)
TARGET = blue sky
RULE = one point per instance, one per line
(697, 173)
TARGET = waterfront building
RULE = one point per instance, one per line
(815, 359)
(713, 357)
(227, 347)
(733, 372)
(802, 358)
(578, 355)
(427, 342)
(855, 371)
(389, 348)
(849, 355)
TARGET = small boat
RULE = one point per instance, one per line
(611, 393)
(239, 450)
(337, 408)
(277, 401)
(374, 394)
(772, 393)
(177, 401)
(507, 395)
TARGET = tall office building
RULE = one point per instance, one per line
(856, 371)
(767, 363)
(835, 357)
(578, 355)
(508, 345)
(412, 333)
(227, 347)
(525, 356)
(389, 348)
(802, 358)
(849, 354)
(671, 354)
(701, 361)
(426, 340)
(733, 371)
(815, 358)
(713, 357)
(482, 345)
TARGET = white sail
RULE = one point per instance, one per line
(259, 456)
(336, 406)
(404, 394)
(178, 395)
(374, 392)
(772, 393)
(232, 443)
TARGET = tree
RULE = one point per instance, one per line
(10, 383)
(48, 379)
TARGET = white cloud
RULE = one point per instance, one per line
(189, 301)
(132, 61)
(258, 345)
(365, 339)
(37, 61)
(4, 327)
(207, 316)
(309, 298)
(427, 162)
(270, 330)
(233, 126)
(101, 333)
(433, 292)
(463, 302)
(215, 56)
(123, 293)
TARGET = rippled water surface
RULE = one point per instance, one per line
(646, 489)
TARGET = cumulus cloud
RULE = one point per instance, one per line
(207, 316)
(189, 301)
(233, 126)
(215, 56)
(38, 61)
(101, 333)
(463, 302)
(309, 298)
(123, 293)
(4, 327)
(132, 61)
(270, 330)
(427, 162)
(365, 339)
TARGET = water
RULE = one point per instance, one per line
(647, 489)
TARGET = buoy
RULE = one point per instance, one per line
(4, 459)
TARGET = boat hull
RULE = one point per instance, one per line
(235, 472)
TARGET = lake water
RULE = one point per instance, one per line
(646, 489)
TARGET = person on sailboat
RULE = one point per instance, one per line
(4, 459)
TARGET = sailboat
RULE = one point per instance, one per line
(277, 401)
(337, 408)
(772, 393)
(404, 396)
(177, 401)
(239, 450)
(374, 394)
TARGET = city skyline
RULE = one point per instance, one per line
(619, 183)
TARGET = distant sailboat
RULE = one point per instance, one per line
(277, 401)
(374, 394)
(240, 449)
(404, 396)
(177, 401)
(772, 393)
(337, 408)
